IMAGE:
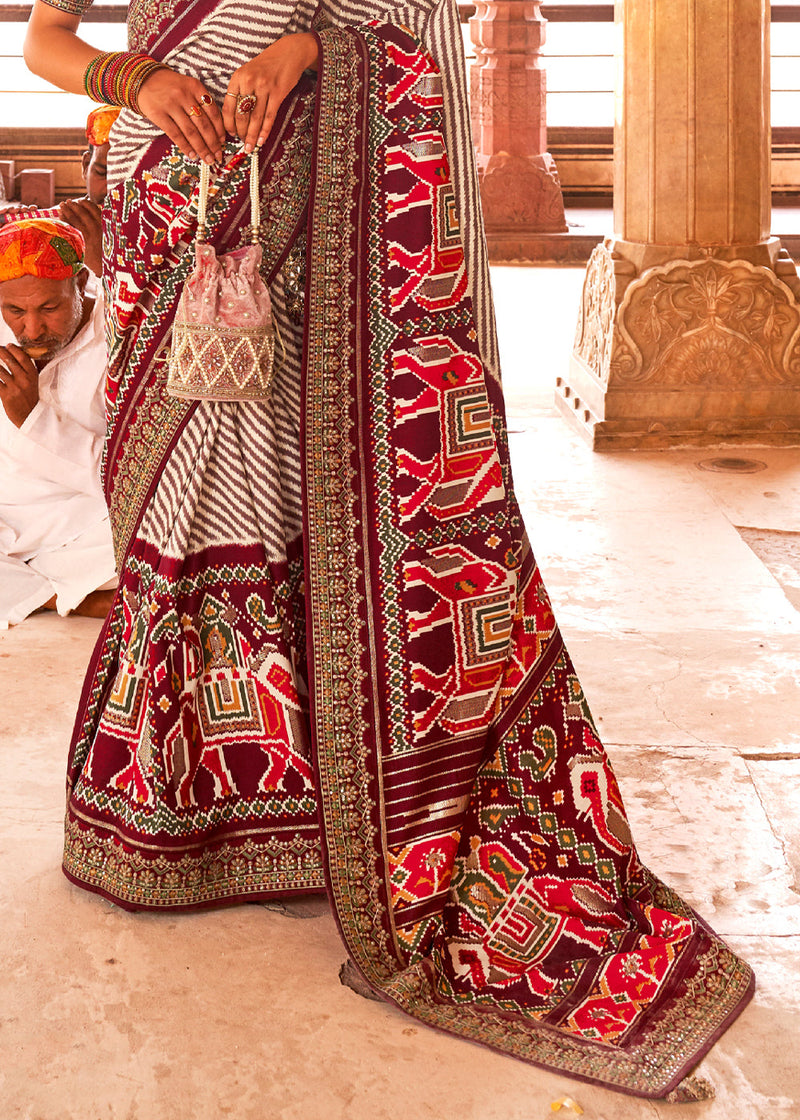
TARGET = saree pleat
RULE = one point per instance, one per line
(332, 661)
(190, 770)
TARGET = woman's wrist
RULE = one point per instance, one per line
(311, 50)
(116, 77)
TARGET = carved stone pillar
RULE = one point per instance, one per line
(689, 331)
(520, 190)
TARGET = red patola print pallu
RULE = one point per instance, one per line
(332, 663)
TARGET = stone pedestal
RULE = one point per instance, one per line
(37, 187)
(520, 190)
(689, 330)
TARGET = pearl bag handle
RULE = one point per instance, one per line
(255, 201)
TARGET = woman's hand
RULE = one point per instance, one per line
(184, 109)
(268, 78)
(181, 106)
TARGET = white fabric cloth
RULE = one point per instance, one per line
(55, 536)
(70, 573)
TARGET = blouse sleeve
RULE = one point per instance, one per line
(73, 7)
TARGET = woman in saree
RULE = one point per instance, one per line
(332, 663)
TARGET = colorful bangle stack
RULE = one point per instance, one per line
(117, 77)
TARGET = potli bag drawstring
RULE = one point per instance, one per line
(223, 337)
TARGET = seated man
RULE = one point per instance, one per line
(82, 213)
(55, 540)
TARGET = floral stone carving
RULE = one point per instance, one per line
(687, 351)
(522, 191)
(707, 323)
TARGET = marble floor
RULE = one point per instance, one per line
(678, 588)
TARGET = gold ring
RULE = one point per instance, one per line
(246, 103)
(206, 99)
(194, 110)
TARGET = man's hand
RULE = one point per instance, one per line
(9, 209)
(19, 384)
(84, 215)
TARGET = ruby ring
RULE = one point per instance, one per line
(246, 103)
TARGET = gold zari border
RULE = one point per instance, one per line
(228, 871)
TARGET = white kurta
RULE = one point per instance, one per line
(54, 531)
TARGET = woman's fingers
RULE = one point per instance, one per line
(200, 121)
(199, 131)
(253, 118)
(259, 111)
(261, 126)
(265, 125)
(229, 111)
(208, 119)
(256, 111)
(257, 90)
(244, 106)
(184, 109)
(211, 112)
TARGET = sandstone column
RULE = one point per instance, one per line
(689, 329)
(520, 190)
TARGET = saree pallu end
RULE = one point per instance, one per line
(476, 847)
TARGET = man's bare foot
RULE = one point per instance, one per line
(97, 604)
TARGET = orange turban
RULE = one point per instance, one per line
(40, 247)
(98, 124)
